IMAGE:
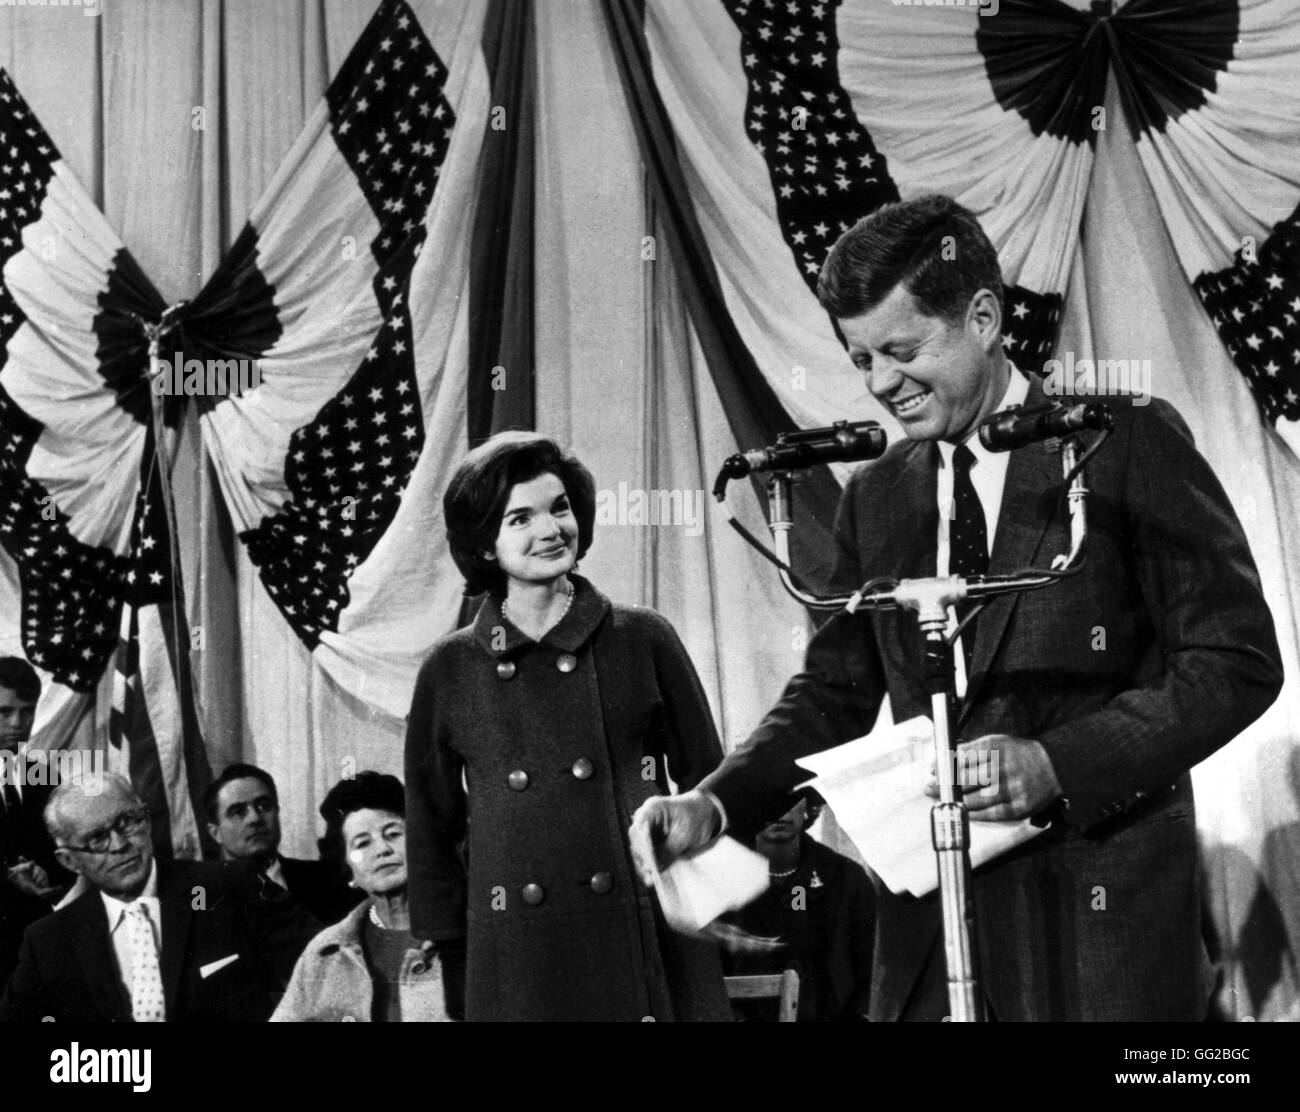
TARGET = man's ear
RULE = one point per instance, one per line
(213, 829)
(984, 318)
(68, 860)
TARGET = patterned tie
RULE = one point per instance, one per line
(147, 1004)
(967, 540)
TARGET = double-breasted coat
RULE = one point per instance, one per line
(542, 750)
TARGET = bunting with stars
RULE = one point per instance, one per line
(77, 427)
(348, 291)
(793, 120)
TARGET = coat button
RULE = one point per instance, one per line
(533, 894)
(518, 780)
(601, 883)
(506, 670)
(582, 769)
(567, 662)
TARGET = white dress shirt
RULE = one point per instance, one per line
(121, 937)
(988, 475)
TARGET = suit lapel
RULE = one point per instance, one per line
(1029, 500)
(909, 544)
(898, 538)
(176, 906)
(89, 924)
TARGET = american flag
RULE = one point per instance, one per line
(1255, 305)
(825, 170)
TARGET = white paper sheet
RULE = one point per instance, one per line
(695, 890)
(875, 785)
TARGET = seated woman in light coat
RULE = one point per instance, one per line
(368, 967)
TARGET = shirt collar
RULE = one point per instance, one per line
(117, 908)
(568, 634)
(1015, 394)
(275, 872)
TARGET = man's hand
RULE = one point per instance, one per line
(1003, 777)
(29, 877)
(670, 826)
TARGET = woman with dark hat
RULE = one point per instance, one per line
(534, 734)
(369, 966)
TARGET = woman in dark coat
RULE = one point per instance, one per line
(560, 712)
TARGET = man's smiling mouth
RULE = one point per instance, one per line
(911, 402)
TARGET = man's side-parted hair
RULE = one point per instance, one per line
(931, 245)
(475, 501)
(234, 772)
(56, 809)
(377, 791)
(20, 678)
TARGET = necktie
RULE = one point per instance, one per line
(968, 545)
(147, 1004)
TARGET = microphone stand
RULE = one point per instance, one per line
(929, 599)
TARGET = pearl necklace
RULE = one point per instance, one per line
(505, 607)
(374, 918)
(782, 876)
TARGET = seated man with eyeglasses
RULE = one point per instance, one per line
(149, 940)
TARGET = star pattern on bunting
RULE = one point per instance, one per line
(826, 172)
(1255, 306)
(346, 471)
(70, 591)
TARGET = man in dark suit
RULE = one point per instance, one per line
(150, 941)
(1098, 694)
(243, 810)
(30, 879)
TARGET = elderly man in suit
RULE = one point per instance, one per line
(1098, 694)
(149, 941)
(243, 810)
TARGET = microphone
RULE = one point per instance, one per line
(841, 442)
(1016, 427)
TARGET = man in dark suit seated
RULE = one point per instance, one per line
(243, 811)
(149, 941)
(31, 881)
(1097, 694)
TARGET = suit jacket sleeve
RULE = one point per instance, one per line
(1222, 666)
(435, 817)
(690, 739)
(834, 699)
(24, 998)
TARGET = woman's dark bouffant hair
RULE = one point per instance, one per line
(475, 501)
(375, 790)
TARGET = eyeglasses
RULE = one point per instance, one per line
(126, 824)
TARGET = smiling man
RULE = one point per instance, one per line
(1096, 695)
(147, 941)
